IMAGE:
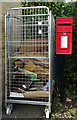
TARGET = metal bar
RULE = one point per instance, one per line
(36, 21)
(32, 15)
(19, 72)
(32, 35)
(23, 24)
(34, 25)
(13, 17)
(28, 8)
(26, 57)
(27, 41)
(50, 64)
(27, 102)
(30, 45)
(9, 64)
(5, 58)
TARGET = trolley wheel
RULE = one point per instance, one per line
(9, 109)
(47, 112)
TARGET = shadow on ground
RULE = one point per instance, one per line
(25, 111)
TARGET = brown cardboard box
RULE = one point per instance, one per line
(33, 45)
(30, 66)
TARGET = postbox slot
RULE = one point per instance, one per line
(64, 27)
(64, 24)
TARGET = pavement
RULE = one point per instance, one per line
(25, 111)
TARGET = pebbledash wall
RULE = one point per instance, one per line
(4, 5)
(3, 9)
(70, 1)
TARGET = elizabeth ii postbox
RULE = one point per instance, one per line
(64, 35)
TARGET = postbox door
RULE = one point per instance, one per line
(64, 42)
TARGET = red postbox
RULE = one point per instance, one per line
(64, 35)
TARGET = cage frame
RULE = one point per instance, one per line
(48, 104)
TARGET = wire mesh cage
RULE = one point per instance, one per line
(28, 70)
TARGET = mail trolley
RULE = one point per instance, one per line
(29, 57)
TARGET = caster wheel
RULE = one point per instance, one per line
(8, 111)
(47, 114)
